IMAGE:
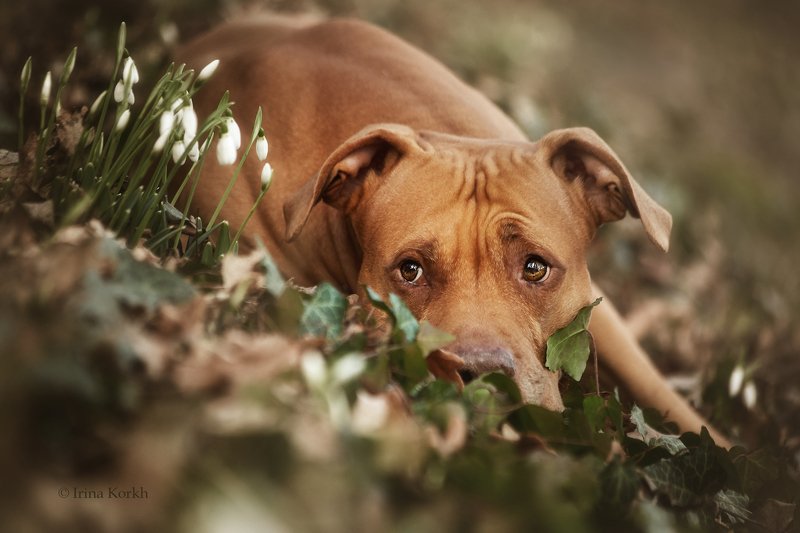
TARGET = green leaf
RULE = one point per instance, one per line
(376, 301)
(637, 417)
(408, 365)
(668, 478)
(755, 468)
(595, 411)
(404, 319)
(131, 284)
(672, 443)
(537, 419)
(324, 314)
(289, 309)
(273, 279)
(431, 338)
(223, 238)
(732, 507)
(503, 384)
(619, 483)
(174, 215)
(568, 348)
(614, 411)
(121, 41)
(685, 477)
(208, 257)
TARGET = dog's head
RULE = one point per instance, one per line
(484, 239)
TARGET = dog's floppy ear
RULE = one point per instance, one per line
(610, 191)
(341, 176)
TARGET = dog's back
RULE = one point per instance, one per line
(318, 83)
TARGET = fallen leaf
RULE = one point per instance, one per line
(69, 128)
(445, 365)
(453, 438)
(238, 269)
(41, 212)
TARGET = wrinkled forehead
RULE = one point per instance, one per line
(497, 190)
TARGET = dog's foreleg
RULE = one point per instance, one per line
(621, 354)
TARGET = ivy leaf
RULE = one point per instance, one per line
(619, 483)
(324, 314)
(673, 444)
(376, 301)
(409, 366)
(637, 417)
(431, 338)
(273, 280)
(568, 348)
(667, 477)
(404, 319)
(594, 409)
(685, 477)
(539, 420)
(732, 507)
(755, 468)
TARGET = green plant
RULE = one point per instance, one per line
(128, 165)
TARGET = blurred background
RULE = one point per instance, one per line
(700, 100)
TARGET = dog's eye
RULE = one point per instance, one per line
(535, 269)
(410, 271)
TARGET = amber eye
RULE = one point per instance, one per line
(410, 271)
(535, 269)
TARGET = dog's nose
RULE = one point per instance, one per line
(480, 360)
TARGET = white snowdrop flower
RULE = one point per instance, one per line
(226, 150)
(123, 119)
(119, 92)
(735, 381)
(178, 149)
(194, 152)
(370, 413)
(189, 121)
(97, 103)
(47, 86)
(208, 70)
(176, 104)
(312, 365)
(166, 123)
(262, 147)
(169, 33)
(235, 133)
(266, 176)
(750, 395)
(348, 368)
(160, 143)
(129, 71)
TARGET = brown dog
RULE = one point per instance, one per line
(392, 173)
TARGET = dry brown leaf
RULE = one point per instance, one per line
(69, 128)
(454, 436)
(41, 212)
(236, 360)
(238, 269)
(9, 161)
(445, 365)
